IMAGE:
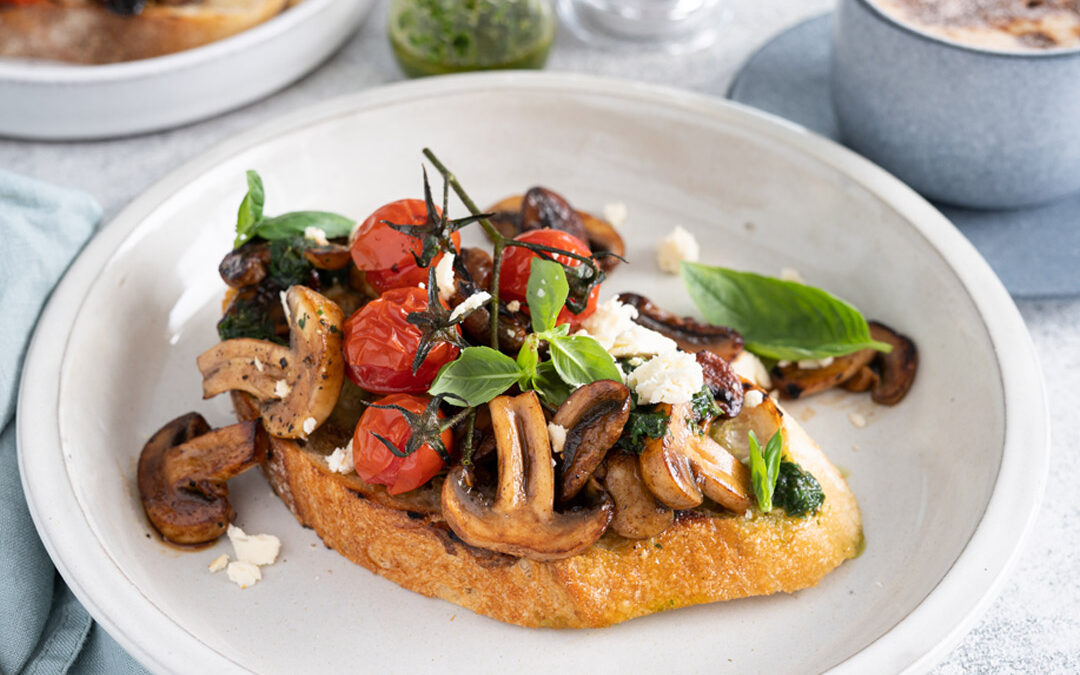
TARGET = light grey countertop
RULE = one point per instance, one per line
(1034, 626)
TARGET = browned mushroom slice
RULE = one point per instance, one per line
(479, 264)
(544, 209)
(297, 386)
(637, 513)
(692, 335)
(862, 380)
(684, 466)
(603, 238)
(506, 216)
(183, 471)
(593, 417)
(328, 257)
(521, 520)
(897, 368)
(513, 327)
(794, 381)
(723, 383)
(246, 265)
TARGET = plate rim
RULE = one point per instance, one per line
(912, 645)
(35, 72)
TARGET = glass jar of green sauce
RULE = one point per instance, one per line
(431, 37)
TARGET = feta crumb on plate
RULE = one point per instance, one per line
(678, 246)
(641, 341)
(668, 378)
(444, 276)
(473, 302)
(615, 213)
(557, 434)
(316, 235)
(792, 274)
(749, 366)
(341, 459)
(857, 420)
(257, 549)
(244, 574)
(613, 326)
(513, 306)
(219, 563)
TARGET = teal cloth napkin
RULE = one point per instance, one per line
(43, 628)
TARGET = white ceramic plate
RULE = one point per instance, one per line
(53, 101)
(949, 480)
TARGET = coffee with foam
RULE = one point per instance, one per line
(1011, 25)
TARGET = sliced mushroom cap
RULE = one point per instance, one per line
(543, 209)
(637, 513)
(594, 417)
(479, 265)
(723, 383)
(297, 386)
(897, 368)
(183, 471)
(521, 520)
(686, 465)
(246, 265)
(794, 381)
(763, 419)
(692, 335)
(329, 257)
(603, 238)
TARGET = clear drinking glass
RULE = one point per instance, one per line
(430, 37)
(674, 25)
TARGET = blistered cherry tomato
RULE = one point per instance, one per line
(384, 254)
(374, 461)
(517, 262)
(380, 345)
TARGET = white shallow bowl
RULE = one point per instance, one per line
(949, 480)
(54, 101)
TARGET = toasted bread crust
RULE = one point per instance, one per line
(81, 32)
(701, 558)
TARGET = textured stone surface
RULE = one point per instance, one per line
(1033, 627)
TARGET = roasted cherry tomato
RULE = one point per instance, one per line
(386, 255)
(380, 345)
(517, 262)
(374, 461)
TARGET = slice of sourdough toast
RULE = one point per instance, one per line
(704, 557)
(81, 31)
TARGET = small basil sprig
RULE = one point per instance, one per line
(781, 320)
(250, 222)
(482, 373)
(765, 467)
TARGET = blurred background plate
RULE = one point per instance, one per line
(55, 101)
(949, 481)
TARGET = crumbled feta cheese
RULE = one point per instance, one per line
(857, 419)
(749, 366)
(514, 306)
(639, 340)
(540, 292)
(316, 235)
(444, 276)
(636, 361)
(281, 389)
(219, 563)
(815, 364)
(753, 398)
(791, 274)
(341, 459)
(678, 246)
(257, 549)
(285, 306)
(258, 364)
(557, 434)
(309, 425)
(244, 574)
(615, 213)
(668, 378)
(474, 301)
(609, 320)
(783, 363)
(422, 286)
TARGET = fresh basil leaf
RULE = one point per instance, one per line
(251, 209)
(765, 468)
(778, 319)
(549, 385)
(527, 360)
(580, 360)
(294, 223)
(477, 376)
(546, 293)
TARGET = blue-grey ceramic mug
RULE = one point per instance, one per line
(963, 125)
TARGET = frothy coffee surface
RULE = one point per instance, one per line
(1016, 25)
